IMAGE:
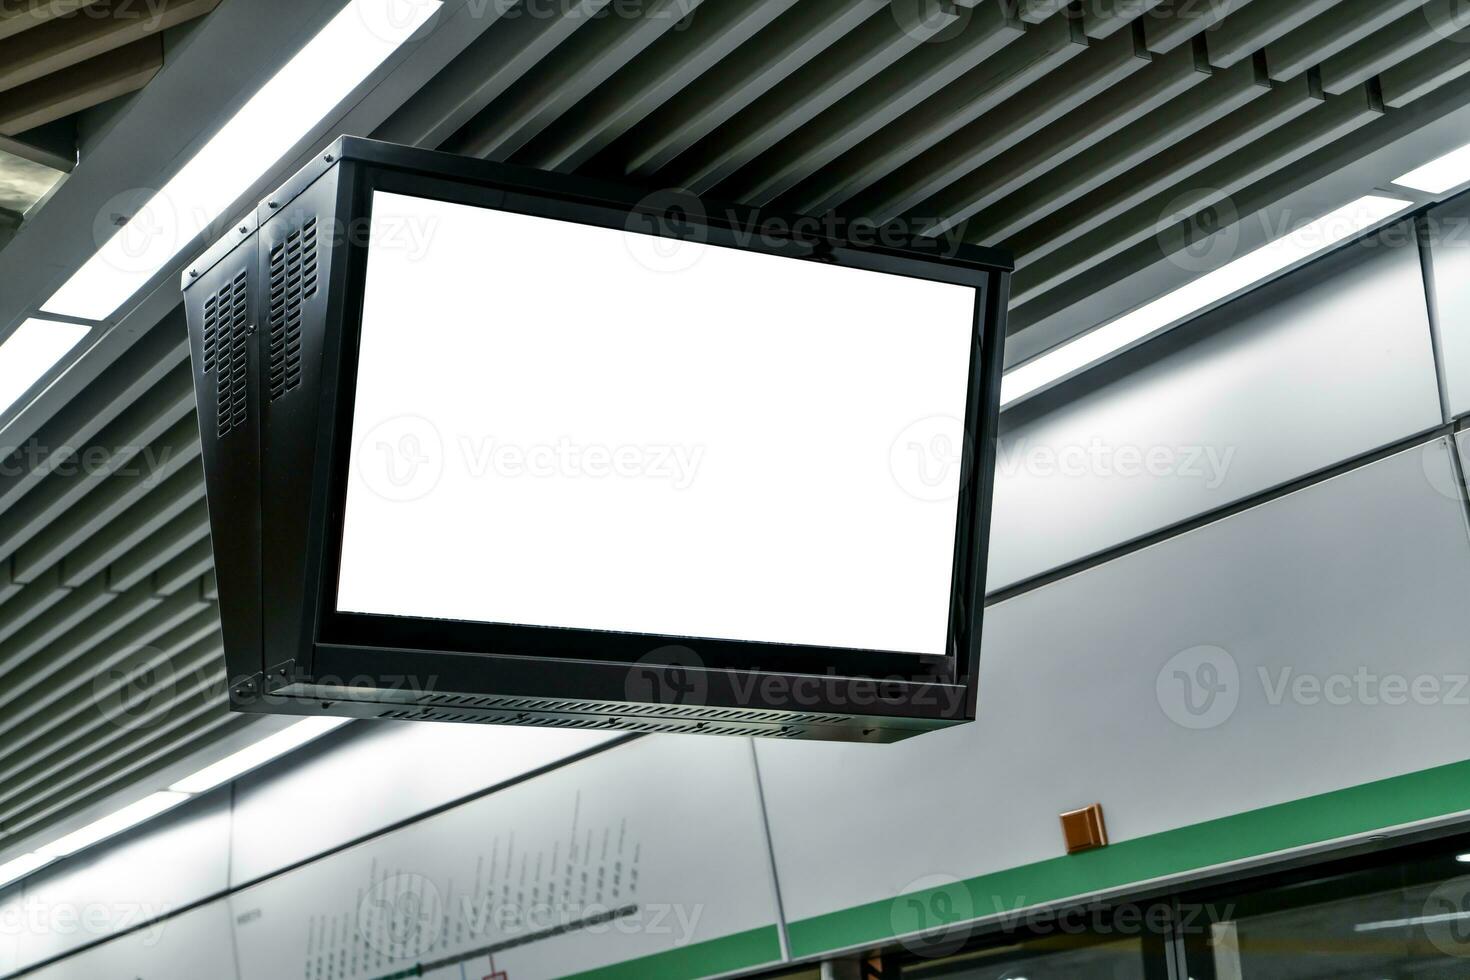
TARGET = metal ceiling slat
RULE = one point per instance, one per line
(1337, 118)
(9, 587)
(45, 629)
(1247, 31)
(161, 546)
(196, 714)
(103, 622)
(95, 737)
(660, 73)
(922, 74)
(128, 529)
(1179, 162)
(1177, 21)
(1424, 73)
(1222, 94)
(1036, 11)
(1023, 116)
(185, 568)
(170, 403)
(883, 155)
(30, 599)
(1105, 17)
(508, 48)
(69, 41)
(72, 90)
(95, 512)
(27, 14)
(568, 74)
(1341, 28)
(1126, 100)
(734, 83)
(851, 62)
(185, 621)
(74, 425)
(1399, 41)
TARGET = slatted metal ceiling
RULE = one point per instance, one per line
(1064, 134)
(62, 57)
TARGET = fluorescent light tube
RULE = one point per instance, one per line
(112, 824)
(1194, 297)
(257, 755)
(282, 113)
(31, 351)
(1438, 176)
(20, 867)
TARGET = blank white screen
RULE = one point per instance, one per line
(551, 431)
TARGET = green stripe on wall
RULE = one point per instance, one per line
(741, 951)
(1342, 813)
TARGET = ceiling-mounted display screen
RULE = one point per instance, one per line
(564, 425)
(494, 445)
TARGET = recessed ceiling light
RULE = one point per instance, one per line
(20, 867)
(1443, 174)
(112, 824)
(33, 349)
(1197, 296)
(257, 755)
(278, 116)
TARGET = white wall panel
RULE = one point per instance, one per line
(375, 777)
(665, 831)
(1082, 688)
(1450, 263)
(194, 946)
(174, 862)
(1332, 362)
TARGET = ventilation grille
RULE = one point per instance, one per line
(612, 724)
(293, 276)
(693, 713)
(226, 330)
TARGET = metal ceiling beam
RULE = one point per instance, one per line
(888, 165)
(860, 56)
(1150, 88)
(927, 71)
(672, 62)
(1321, 38)
(1404, 38)
(1247, 31)
(734, 83)
(1214, 100)
(69, 91)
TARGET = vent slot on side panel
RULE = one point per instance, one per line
(293, 281)
(226, 331)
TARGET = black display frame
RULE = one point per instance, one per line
(308, 654)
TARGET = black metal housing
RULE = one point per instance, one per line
(274, 311)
